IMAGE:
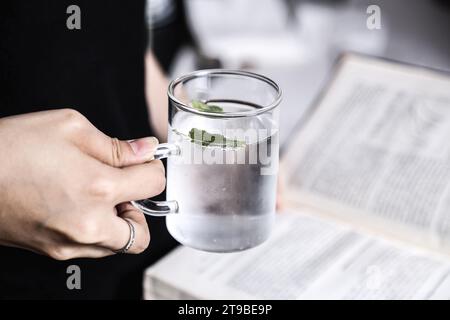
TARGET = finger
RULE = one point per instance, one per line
(119, 230)
(139, 182)
(112, 151)
(68, 251)
(91, 251)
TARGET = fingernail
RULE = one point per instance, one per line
(144, 147)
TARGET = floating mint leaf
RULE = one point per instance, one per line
(200, 106)
(205, 138)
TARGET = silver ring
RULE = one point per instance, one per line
(131, 240)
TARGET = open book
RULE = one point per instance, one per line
(368, 200)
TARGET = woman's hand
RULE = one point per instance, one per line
(65, 186)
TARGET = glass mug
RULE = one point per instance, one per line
(222, 162)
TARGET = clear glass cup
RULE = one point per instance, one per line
(222, 160)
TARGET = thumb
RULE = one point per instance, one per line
(115, 152)
(126, 153)
(119, 153)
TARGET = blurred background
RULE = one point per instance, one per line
(295, 42)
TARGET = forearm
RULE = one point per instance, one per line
(156, 95)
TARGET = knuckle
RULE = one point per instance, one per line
(87, 231)
(101, 187)
(159, 165)
(144, 242)
(117, 153)
(159, 182)
(72, 120)
(60, 253)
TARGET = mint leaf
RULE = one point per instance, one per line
(205, 139)
(200, 106)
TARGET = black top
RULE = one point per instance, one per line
(99, 71)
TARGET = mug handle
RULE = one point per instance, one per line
(160, 208)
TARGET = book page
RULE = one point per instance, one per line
(306, 258)
(376, 151)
